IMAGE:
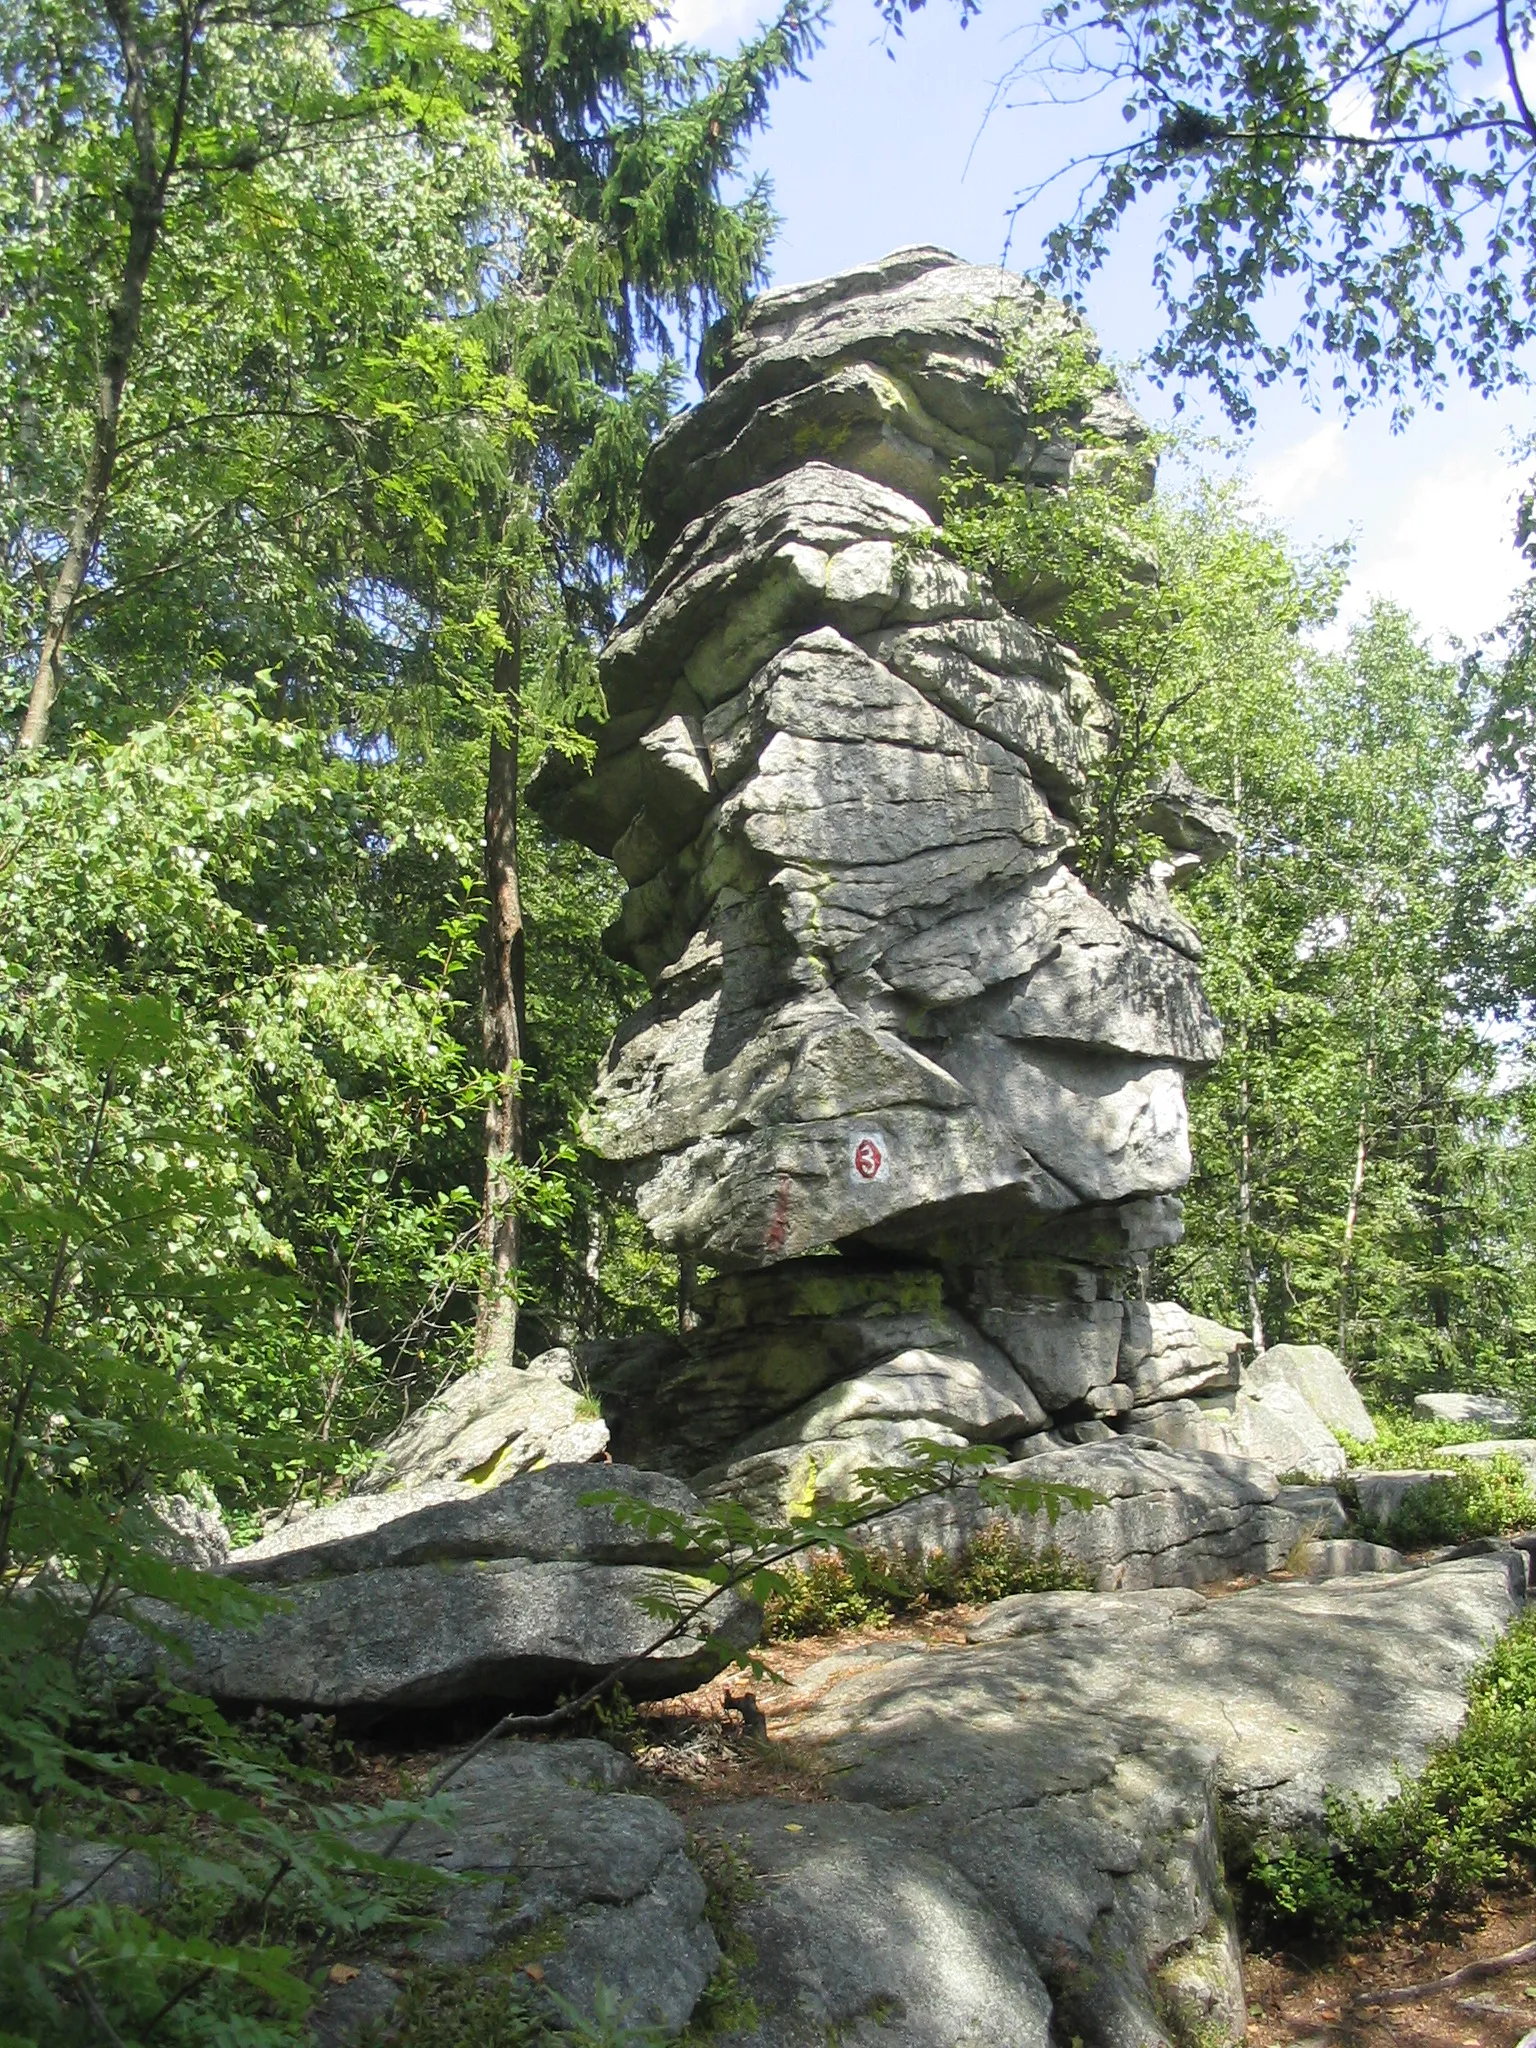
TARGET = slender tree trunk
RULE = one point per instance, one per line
(1245, 1207)
(1436, 1197)
(502, 1018)
(589, 1323)
(1244, 1107)
(124, 323)
(687, 1291)
(1352, 1211)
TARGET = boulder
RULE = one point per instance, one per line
(1158, 1517)
(838, 1344)
(371, 1643)
(517, 1593)
(1065, 1350)
(554, 1841)
(1166, 1353)
(1342, 1558)
(18, 1857)
(1493, 1412)
(492, 1423)
(186, 1531)
(961, 1385)
(1381, 1494)
(1276, 1426)
(66, 1871)
(542, 1516)
(776, 1483)
(856, 1929)
(899, 369)
(1299, 1689)
(1521, 1448)
(1272, 1425)
(1316, 1373)
(1317, 1510)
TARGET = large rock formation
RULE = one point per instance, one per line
(407, 1600)
(845, 781)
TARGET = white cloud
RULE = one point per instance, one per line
(1448, 556)
(1289, 480)
(718, 23)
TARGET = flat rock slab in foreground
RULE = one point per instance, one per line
(428, 1635)
(861, 1934)
(1069, 1762)
(1022, 1843)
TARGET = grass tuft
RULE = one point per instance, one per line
(827, 1594)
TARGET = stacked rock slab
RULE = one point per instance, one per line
(844, 782)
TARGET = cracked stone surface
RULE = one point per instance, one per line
(1157, 1517)
(843, 782)
(1069, 1760)
(553, 1841)
(861, 1932)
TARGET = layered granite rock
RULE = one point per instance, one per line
(410, 1600)
(1020, 1839)
(844, 782)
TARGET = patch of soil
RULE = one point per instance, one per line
(699, 1750)
(1293, 2000)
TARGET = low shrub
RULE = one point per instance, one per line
(1464, 1827)
(828, 1593)
(1489, 1498)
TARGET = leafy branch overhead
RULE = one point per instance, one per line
(1346, 194)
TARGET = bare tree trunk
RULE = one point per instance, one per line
(687, 1291)
(1245, 1209)
(1245, 1105)
(124, 323)
(502, 1020)
(1352, 1211)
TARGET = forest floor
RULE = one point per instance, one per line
(1294, 2000)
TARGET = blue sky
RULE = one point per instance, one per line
(871, 153)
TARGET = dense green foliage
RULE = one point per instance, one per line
(1463, 1828)
(1491, 1497)
(1408, 1442)
(331, 344)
